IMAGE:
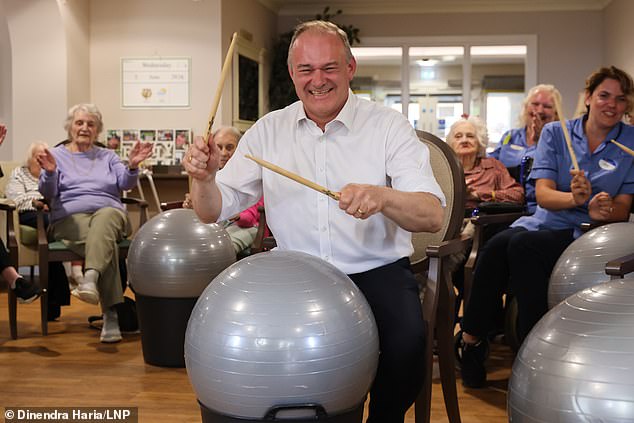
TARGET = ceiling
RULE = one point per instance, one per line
(358, 7)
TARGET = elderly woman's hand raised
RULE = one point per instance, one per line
(140, 151)
(46, 160)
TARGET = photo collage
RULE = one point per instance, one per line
(170, 145)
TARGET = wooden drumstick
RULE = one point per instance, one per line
(294, 177)
(223, 76)
(564, 128)
(623, 147)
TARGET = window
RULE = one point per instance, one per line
(441, 78)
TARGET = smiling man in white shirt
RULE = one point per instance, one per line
(372, 156)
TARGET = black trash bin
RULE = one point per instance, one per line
(163, 324)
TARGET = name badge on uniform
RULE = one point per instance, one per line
(517, 147)
(607, 164)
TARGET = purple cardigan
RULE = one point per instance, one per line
(85, 182)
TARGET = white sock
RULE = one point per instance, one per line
(76, 272)
(67, 269)
(91, 275)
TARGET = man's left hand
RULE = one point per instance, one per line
(361, 200)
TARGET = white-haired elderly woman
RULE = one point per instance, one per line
(538, 109)
(23, 190)
(83, 183)
(22, 187)
(487, 178)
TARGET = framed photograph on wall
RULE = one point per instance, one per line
(248, 84)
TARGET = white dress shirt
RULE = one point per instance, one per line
(366, 143)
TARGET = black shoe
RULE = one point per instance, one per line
(474, 374)
(26, 292)
(53, 312)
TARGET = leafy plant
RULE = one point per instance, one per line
(281, 89)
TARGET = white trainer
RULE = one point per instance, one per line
(87, 292)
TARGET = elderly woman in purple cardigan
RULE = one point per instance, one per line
(83, 183)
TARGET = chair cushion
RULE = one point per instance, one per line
(28, 235)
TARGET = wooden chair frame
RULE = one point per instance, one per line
(54, 252)
(438, 298)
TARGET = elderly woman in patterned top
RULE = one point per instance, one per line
(22, 187)
(487, 178)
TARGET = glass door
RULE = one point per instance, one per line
(435, 82)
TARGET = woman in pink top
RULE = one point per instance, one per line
(487, 178)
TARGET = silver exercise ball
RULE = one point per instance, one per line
(281, 327)
(174, 255)
(582, 264)
(577, 364)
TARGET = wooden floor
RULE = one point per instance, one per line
(71, 368)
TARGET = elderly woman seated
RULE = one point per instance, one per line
(83, 183)
(487, 178)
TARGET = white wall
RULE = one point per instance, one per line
(617, 40)
(76, 18)
(569, 43)
(147, 28)
(257, 20)
(38, 73)
(5, 83)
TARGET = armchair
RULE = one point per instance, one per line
(430, 263)
(21, 241)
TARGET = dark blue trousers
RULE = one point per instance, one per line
(392, 292)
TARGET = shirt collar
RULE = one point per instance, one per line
(345, 116)
(577, 130)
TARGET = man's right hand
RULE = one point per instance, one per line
(202, 159)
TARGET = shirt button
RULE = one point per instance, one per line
(327, 258)
(323, 229)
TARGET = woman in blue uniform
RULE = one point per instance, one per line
(523, 256)
(518, 144)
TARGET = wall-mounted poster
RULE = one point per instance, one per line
(155, 82)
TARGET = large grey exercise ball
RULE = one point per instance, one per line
(582, 264)
(577, 364)
(174, 255)
(281, 327)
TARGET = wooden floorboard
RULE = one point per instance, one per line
(71, 368)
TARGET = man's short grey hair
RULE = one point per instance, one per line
(231, 130)
(322, 27)
(91, 109)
